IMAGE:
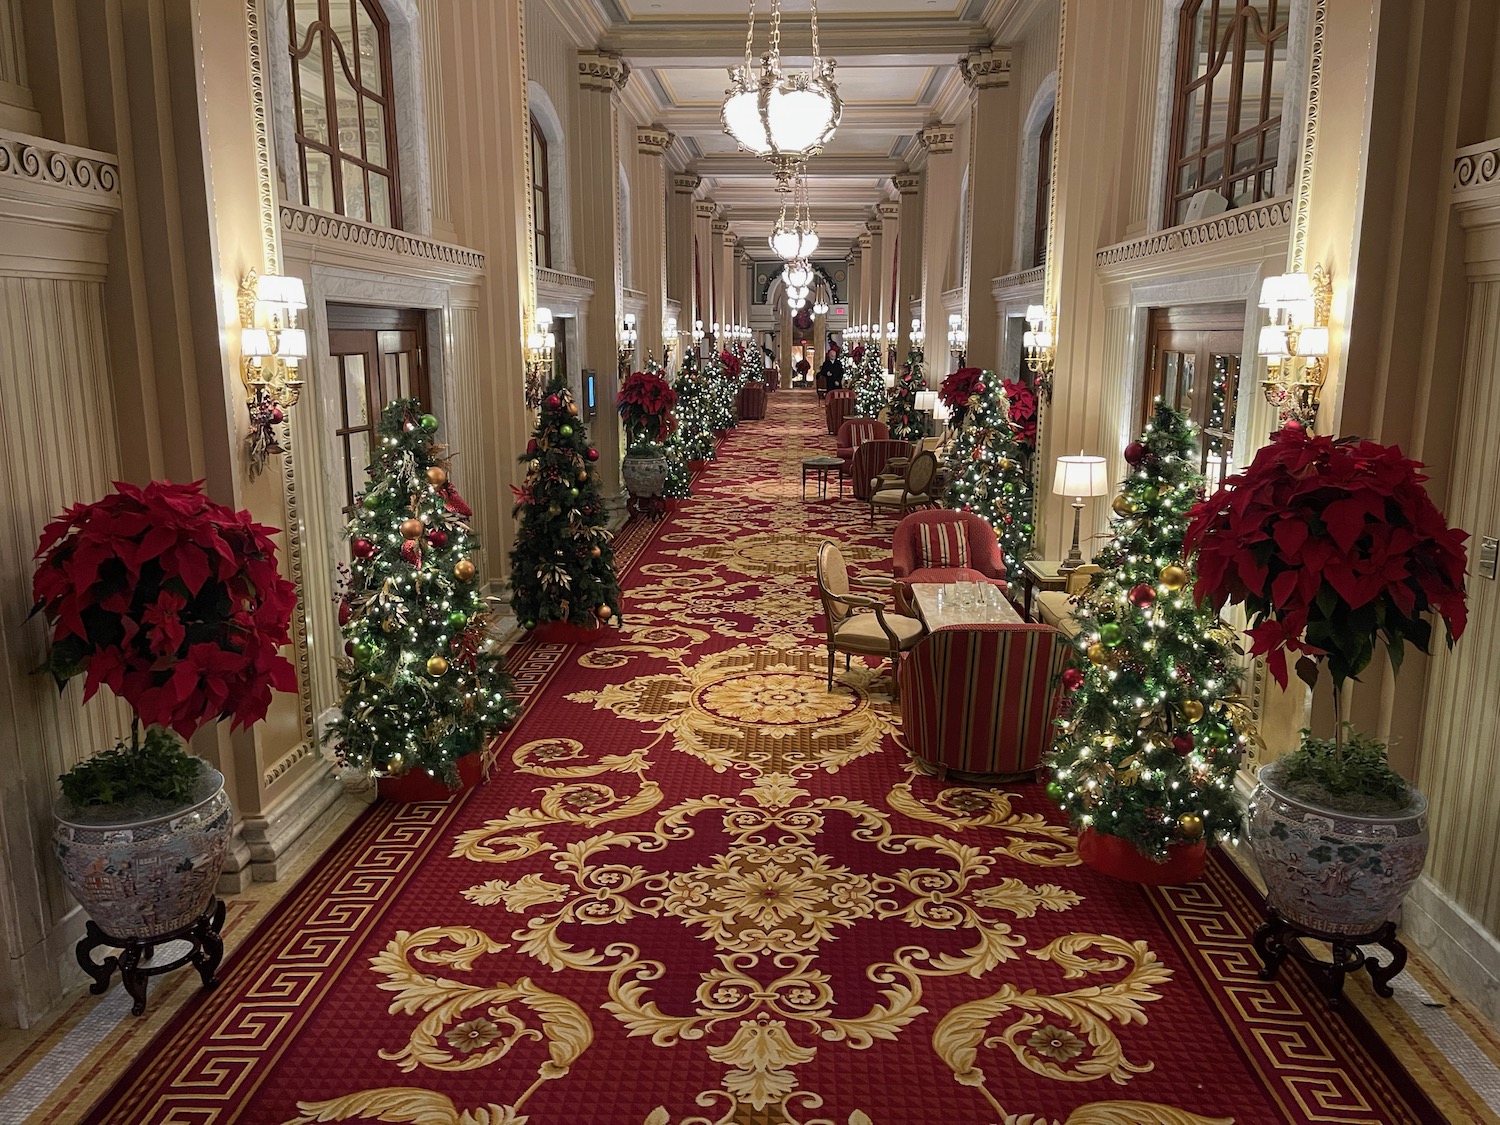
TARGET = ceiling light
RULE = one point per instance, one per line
(799, 273)
(799, 239)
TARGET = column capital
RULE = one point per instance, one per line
(938, 138)
(705, 209)
(907, 183)
(873, 225)
(888, 211)
(685, 182)
(864, 241)
(603, 71)
(721, 226)
(985, 68)
(653, 140)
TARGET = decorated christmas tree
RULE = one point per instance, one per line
(904, 420)
(696, 407)
(562, 566)
(869, 384)
(723, 372)
(422, 685)
(1151, 727)
(989, 476)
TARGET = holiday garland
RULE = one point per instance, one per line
(422, 684)
(1151, 731)
(904, 420)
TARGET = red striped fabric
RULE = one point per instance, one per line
(981, 698)
(943, 545)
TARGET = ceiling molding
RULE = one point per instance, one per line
(582, 21)
(875, 41)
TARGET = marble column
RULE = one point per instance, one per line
(853, 285)
(651, 144)
(939, 233)
(889, 215)
(680, 255)
(909, 259)
(873, 282)
(993, 143)
(723, 259)
(704, 211)
(595, 162)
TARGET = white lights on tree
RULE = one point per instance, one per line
(782, 117)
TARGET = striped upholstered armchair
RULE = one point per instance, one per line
(978, 701)
(870, 460)
(855, 431)
(837, 406)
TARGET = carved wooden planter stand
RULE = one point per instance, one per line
(206, 950)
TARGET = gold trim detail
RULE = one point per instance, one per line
(1298, 261)
(336, 228)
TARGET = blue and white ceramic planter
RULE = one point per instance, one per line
(1334, 872)
(145, 878)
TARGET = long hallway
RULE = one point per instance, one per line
(699, 888)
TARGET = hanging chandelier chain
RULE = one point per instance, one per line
(750, 39)
(775, 52)
(815, 35)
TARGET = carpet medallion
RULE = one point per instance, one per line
(702, 890)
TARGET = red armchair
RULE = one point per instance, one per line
(869, 459)
(751, 401)
(855, 431)
(922, 536)
(978, 701)
(837, 406)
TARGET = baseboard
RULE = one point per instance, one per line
(1455, 941)
(275, 840)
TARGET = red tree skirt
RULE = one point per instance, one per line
(415, 785)
(1117, 857)
(566, 633)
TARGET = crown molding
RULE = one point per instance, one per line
(686, 182)
(938, 138)
(602, 71)
(582, 21)
(907, 183)
(874, 40)
(986, 68)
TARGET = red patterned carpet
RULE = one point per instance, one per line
(700, 889)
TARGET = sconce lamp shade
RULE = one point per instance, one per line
(274, 289)
(1272, 342)
(1080, 476)
(1285, 289)
(255, 342)
(543, 318)
(292, 343)
(1312, 341)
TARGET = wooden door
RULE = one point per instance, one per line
(1193, 363)
(380, 356)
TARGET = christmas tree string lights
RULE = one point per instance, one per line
(990, 477)
(422, 683)
(904, 420)
(696, 411)
(1152, 728)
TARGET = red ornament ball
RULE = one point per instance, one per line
(530, 446)
(1072, 679)
(593, 455)
(1142, 595)
(277, 414)
(979, 388)
(1135, 452)
(362, 548)
(552, 402)
(411, 551)
(1182, 742)
(438, 538)
(348, 648)
(346, 611)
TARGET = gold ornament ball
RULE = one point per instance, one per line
(436, 666)
(594, 552)
(1190, 825)
(533, 465)
(437, 475)
(410, 529)
(1005, 464)
(583, 475)
(394, 763)
(389, 625)
(1192, 710)
(604, 612)
(1098, 654)
(1121, 505)
(463, 570)
(573, 408)
(1173, 577)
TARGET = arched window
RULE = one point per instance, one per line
(1043, 199)
(1227, 105)
(345, 120)
(541, 197)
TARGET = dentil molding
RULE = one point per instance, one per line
(653, 140)
(705, 209)
(907, 183)
(889, 211)
(603, 71)
(938, 138)
(1245, 220)
(686, 183)
(873, 226)
(986, 68)
(720, 226)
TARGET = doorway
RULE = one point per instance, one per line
(379, 355)
(1193, 364)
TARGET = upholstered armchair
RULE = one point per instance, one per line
(869, 459)
(751, 402)
(917, 489)
(856, 623)
(978, 701)
(854, 432)
(1055, 607)
(941, 546)
(838, 405)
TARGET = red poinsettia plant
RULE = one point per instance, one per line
(731, 363)
(171, 601)
(646, 400)
(1022, 401)
(962, 385)
(1332, 545)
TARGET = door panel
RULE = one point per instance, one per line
(1193, 364)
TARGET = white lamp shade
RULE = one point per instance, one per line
(1036, 313)
(275, 289)
(940, 409)
(1285, 289)
(255, 342)
(1272, 342)
(1312, 341)
(1081, 476)
(292, 343)
(630, 320)
(798, 118)
(799, 272)
(954, 320)
(543, 318)
(820, 308)
(742, 119)
(927, 401)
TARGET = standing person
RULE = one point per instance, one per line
(831, 372)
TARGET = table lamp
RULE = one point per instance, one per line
(1078, 477)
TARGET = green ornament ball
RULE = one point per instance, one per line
(1149, 494)
(363, 651)
(572, 494)
(429, 423)
(565, 430)
(457, 619)
(1054, 792)
(371, 501)
(1111, 633)
(1217, 736)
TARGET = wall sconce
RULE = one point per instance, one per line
(628, 337)
(958, 338)
(541, 345)
(890, 345)
(1038, 342)
(1295, 343)
(697, 335)
(668, 340)
(918, 338)
(272, 348)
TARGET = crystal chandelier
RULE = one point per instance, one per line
(785, 118)
(800, 239)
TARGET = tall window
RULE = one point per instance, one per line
(1043, 191)
(541, 197)
(346, 131)
(1226, 123)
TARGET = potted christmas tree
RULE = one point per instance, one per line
(1332, 546)
(562, 567)
(423, 689)
(695, 413)
(645, 401)
(1151, 730)
(175, 604)
(989, 475)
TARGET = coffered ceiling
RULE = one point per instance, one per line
(897, 72)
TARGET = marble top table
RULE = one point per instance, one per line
(926, 596)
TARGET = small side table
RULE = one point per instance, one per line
(820, 467)
(1040, 574)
